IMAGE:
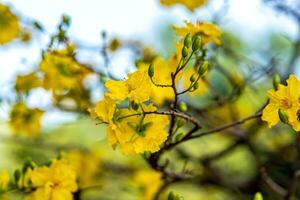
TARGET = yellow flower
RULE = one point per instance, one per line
(4, 180)
(209, 32)
(86, 164)
(25, 83)
(138, 134)
(286, 98)
(136, 87)
(56, 182)
(24, 120)
(149, 182)
(9, 25)
(62, 71)
(190, 4)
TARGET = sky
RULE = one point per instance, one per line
(128, 19)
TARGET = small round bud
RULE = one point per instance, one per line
(182, 106)
(193, 78)
(196, 86)
(258, 196)
(184, 52)
(188, 40)
(28, 164)
(180, 122)
(203, 68)
(173, 196)
(66, 20)
(283, 117)
(17, 175)
(134, 105)
(151, 70)
(276, 81)
(196, 43)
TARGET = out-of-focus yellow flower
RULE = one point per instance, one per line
(9, 25)
(24, 120)
(4, 180)
(149, 181)
(209, 32)
(286, 98)
(190, 4)
(62, 71)
(25, 83)
(86, 164)
(56, 182)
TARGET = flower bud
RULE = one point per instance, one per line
(178, 137)
(151, 70)
(188, 40)
(134, 105)
(184, 52)
(203, 68)
(276, 81)
(17, 175)
(182, 106)
(28, 164)
(180, 122)
(283, 117)
(196, 86)
(258, 196)
(193, 78)
(173, 196)
(196, 43)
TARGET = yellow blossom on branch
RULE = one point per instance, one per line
(24, 120)
(190, 4)
(25, 83)
(149, 182)
(61, 71)
(286, 99)
(209, 32)
(9, 25)
(56, 182)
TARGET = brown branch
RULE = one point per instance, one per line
(293, 185)
(272, 184)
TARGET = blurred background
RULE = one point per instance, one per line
(259, 38)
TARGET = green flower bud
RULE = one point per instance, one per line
(184, 52)
(203, 68)
(182, 106)
(28, 164)
(283, 117)
(193, 78)
(134, 105)
(258, 196)
(196, 86)
(180, 122)
(196, 43)
(178, 137)
(17, 175)
(151, 70)
(276, 81)
(188, 40)
(173, 196)
(66, 20)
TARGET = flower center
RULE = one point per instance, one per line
(298, 115)
(285, 103)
